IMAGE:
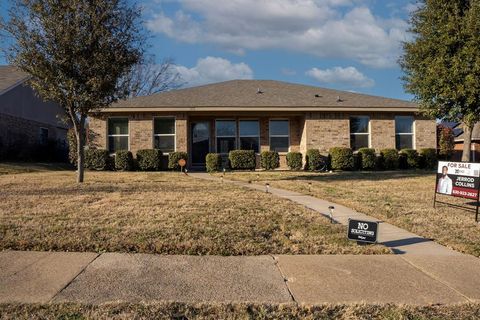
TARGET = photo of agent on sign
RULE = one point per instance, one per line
(444, 183)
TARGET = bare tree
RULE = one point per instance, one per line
(148, 77)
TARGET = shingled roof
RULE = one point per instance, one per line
(10, 77)
(260, 95)
(475, 134)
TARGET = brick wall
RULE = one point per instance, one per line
(15, 130)
(382, 131)
(425, 133)
(326, 130)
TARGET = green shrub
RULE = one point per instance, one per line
(408, 159)
(123, 160)
(389, 159)
(242, 159)
(428, 158)
(149, 159)
(213, 162)
(269, 160)
(314, 160)
(341, 158)
(97, 159)
(379, 162)
(173, 158)
(367, 158)
(294, 160)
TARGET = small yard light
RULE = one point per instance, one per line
(186, 172)
(309, 186)
(258, 177)
(267, 186)
(221, 178)
(331, 208)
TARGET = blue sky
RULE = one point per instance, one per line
(341, 44)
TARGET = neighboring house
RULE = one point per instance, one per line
(260, 115)
(475, 147)
(25, 119)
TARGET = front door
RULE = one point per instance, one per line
(200, 137)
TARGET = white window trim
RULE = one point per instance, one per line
(117, 135)
(361, 133)
(174, 134)
(270, 135)
(406, 134)
(249, 136)
(234, 136)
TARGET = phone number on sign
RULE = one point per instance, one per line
(464, 194)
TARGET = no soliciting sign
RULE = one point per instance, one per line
(364, 231)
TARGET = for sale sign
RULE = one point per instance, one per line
(458, 179)
(364, 231)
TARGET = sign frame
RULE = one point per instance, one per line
(377, 228)
(477, 199)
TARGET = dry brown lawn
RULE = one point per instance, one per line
(403, 198)
(155, 212)
(172, 310)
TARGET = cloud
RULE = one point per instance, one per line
(213, 69)
(324, 28)
(348, 76)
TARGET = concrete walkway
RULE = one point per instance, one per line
(421, 273)
(45, 277)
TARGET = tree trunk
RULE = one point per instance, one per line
(467, 142)
(80, 150)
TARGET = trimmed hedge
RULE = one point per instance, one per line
(213, 162)
(173, 158)
(123, 160)
(269, 160)
(367, 159)
(294, 160)
(408, 159)
(342, 158)
(149, 159)
(389, 159)
(242, 159)
(97, 159)
(428, 158)
(314, 160)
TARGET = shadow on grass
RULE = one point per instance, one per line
(361, 175)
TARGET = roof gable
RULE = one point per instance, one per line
(10, 77)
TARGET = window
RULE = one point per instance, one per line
(164, 134)
(249, 135)
(226, 132)
(279, 135)
(359, 132)
(43, 135)
(117, 134)
(404, 132)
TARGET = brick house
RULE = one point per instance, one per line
(25, 119)
(475, 146)
(259, 115)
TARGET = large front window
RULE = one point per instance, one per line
(404, 132)
(249, 135)
(359, 132)
(117, 134)
(279, 135)
(226, 133)
(164, 134)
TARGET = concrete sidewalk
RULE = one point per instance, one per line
(43, 277)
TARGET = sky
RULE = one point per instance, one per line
(348, 45)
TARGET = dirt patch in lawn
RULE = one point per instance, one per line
(166, 213)
(402, 198)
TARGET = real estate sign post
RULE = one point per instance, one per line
(458, 179)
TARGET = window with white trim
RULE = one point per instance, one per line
(164, 134)
(117, 134)
(279, 132)
(226, 133)
(404, 132)
(249, 132)
(359, 132)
